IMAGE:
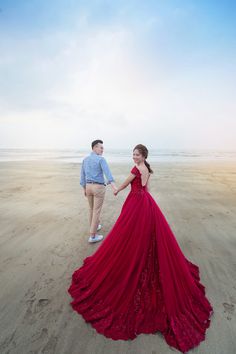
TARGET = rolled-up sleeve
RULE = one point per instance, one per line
(106, 170)
(82, 176)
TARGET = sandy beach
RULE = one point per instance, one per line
(43, 239)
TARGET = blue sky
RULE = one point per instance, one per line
(157, 72)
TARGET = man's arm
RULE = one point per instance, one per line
(82, 178)
(107, 172)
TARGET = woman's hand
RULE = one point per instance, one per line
(124, 185)
(115, 191)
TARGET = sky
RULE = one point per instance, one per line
(161, 73)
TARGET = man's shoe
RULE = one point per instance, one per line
(96, 238)
(99, 227)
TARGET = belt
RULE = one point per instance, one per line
(91, 182)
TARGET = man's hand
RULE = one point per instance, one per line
(114, 188)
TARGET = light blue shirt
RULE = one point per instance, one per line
(93, 169)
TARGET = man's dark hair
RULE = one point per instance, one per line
(95, 142)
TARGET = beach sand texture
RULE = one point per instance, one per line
(43, 239)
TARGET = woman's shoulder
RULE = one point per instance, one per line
(141, 170)
(135, 171)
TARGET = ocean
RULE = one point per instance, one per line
(115, 155)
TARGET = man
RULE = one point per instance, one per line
(93, 169)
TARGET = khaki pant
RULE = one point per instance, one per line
(95, 194)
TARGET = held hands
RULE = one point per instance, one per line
(115, 189)
(115, 192)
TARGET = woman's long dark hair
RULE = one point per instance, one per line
(144, 152)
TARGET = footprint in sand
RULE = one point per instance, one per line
(33, 308)
(43, 302)
(29, 318)
(60, 252)
(43, 334)
(48, 281)
(228, 309)
(8, 342)
(50, 346)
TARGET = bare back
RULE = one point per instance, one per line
(145, 174)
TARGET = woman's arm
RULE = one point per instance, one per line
(125, 184)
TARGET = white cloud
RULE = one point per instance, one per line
(66, 89)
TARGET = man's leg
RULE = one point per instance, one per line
(90, 197)
(91, 202)
(99, 194)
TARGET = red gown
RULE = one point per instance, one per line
(139, 281)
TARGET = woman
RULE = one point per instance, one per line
(138, 280)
